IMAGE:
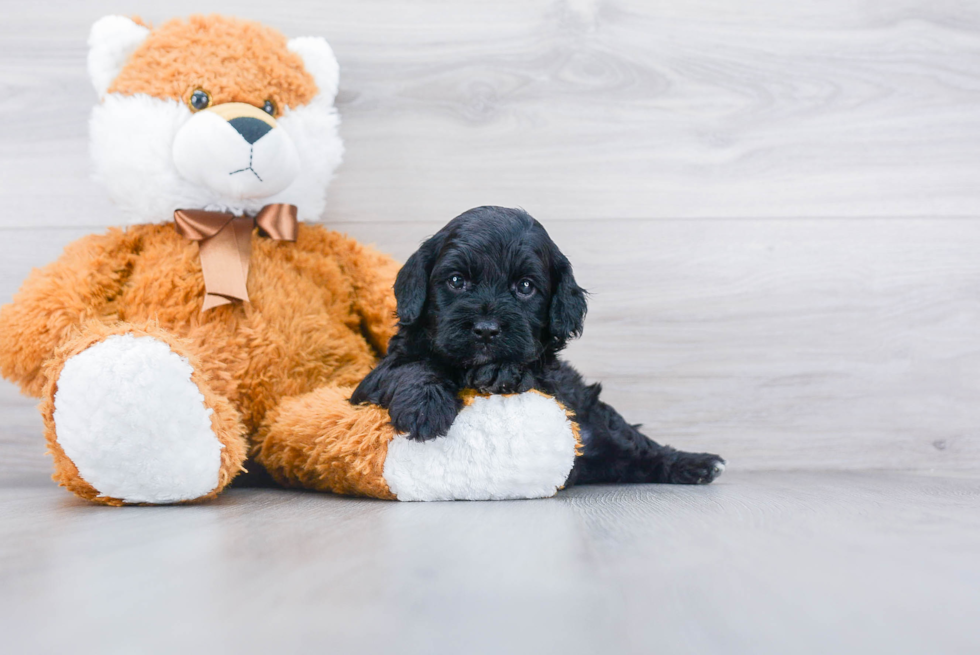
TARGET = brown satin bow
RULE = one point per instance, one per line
(225, 241)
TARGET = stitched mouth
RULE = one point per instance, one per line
(249, 168)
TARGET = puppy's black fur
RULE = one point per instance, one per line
(487, 303)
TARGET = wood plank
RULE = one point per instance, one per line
(580, 109)
(777, 343)
(756, 563)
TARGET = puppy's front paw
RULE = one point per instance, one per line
(499, 378)
(426, 413)
(695, 468)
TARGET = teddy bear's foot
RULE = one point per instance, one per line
(499, 447)
(130, 423)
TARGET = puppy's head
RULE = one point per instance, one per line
(490, 287)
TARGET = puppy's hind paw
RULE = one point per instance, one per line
(695, 468)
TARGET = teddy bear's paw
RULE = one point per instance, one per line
(135, 424)
(499, 447)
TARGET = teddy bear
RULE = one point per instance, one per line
(223, 327)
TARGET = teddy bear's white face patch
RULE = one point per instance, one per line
(237, 151)
(155, 156)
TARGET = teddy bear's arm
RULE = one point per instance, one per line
(57, 299)
(372, 275)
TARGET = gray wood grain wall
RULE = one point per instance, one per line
(776, 206)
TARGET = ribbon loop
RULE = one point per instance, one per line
(278, 221)
(225, 242)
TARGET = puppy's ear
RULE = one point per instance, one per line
(567, 312)
(412, 283)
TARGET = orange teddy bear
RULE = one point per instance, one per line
(218, 326)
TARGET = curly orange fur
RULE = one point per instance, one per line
(181, 56)
(321, 311)
(320, 441)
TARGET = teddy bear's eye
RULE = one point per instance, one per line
(199, 100)
(269, 107)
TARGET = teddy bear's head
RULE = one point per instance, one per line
(212, 113)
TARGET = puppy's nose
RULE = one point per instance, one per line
(251, 129)
(486, 330)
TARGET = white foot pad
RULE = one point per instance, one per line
(497, 448)
(134, 423)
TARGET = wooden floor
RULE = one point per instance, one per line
(815, 562)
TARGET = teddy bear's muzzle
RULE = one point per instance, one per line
(237, 151)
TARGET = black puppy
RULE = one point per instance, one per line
(487, 303)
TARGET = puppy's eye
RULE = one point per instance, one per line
(525, 287)
(269, 107)
(199, 99)
(457, 282)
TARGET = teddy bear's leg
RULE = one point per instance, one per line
(320, 441)
(520, 446)
(130, 418)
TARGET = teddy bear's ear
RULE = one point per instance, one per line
(320, 62)
(111, 41)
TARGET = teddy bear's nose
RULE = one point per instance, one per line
(251, 129)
